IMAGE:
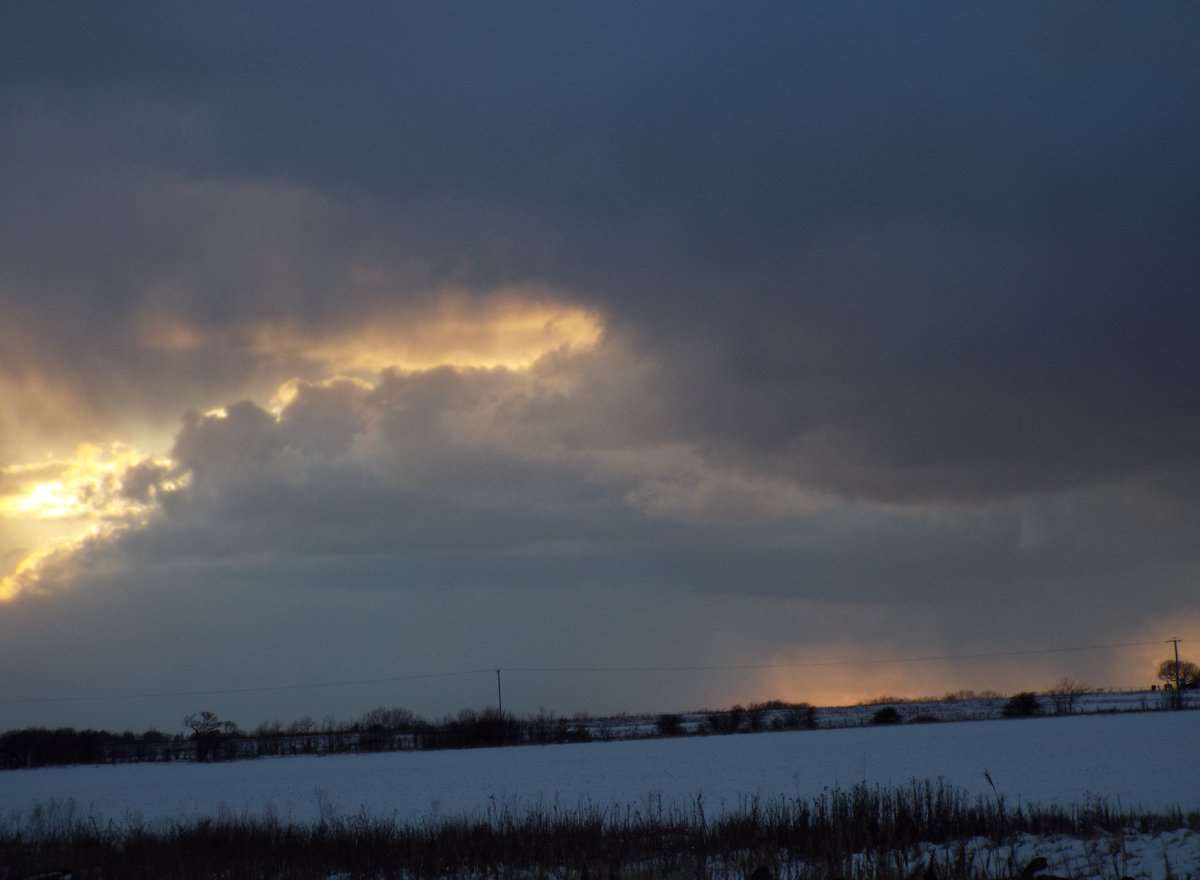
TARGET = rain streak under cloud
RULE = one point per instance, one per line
(338, 346)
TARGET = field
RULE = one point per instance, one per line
(1141, 760)
(1129, 768)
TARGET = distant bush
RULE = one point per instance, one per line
(925, 719)
(471, 729)
(885, 699)
(966, 694)
(782, 715)
(887, 715)
(40, 747)
(669, 724)
(1023, 705)
(799, 716)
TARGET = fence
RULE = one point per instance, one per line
(39, 747)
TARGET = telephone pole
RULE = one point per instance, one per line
(1178, 690)
(499, 694)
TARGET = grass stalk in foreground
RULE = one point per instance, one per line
(857, 833)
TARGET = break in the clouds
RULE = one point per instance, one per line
(552, 335)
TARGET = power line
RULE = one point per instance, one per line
(743, 667)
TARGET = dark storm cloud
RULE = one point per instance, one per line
(484, 479)
(943, 252)
(431, 522)
(899, 308)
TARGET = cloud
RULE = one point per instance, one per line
(498, 477)
(869, 310)
(73, 508)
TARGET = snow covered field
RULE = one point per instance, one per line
(1172, 855)
(1145, 760)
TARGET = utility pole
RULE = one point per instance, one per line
(1178, 691)
(500, 694)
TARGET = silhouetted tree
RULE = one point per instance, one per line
(1189, 674)
(887, 715)
(801, 715)
(1176, 678)
(1065, 692)
(206, 733)
(1022, 705)
(669, 724)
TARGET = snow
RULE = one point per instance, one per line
(1170, 855)
(1138, 760)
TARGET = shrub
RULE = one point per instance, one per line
(1023, 705)
(669, 724)
(800, 715)
(717, 722)
(884, 699)
(887, 715)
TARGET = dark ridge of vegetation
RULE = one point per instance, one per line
(854, 834)
(397, 729)
(211, 739)
(380, 730)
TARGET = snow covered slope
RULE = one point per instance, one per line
(1139, 759)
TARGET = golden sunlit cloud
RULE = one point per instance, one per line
(60, 505)
(31, 570)
(77, 486)
(508, 333)
(52, 510)
(507, 330)
(287, 392)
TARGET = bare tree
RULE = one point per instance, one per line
(302, 725)
(1187, 674)
(1065, 692)
(203, 723)
(384, 718)
(1178, 676)
(206, 732)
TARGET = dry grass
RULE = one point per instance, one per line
(855, 834)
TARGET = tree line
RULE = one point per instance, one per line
(211, 738)
(208, 737)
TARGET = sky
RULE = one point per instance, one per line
(354, 344)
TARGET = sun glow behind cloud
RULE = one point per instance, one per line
(51, 510)
(508, 330)
(508, 334)
(61, 504)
